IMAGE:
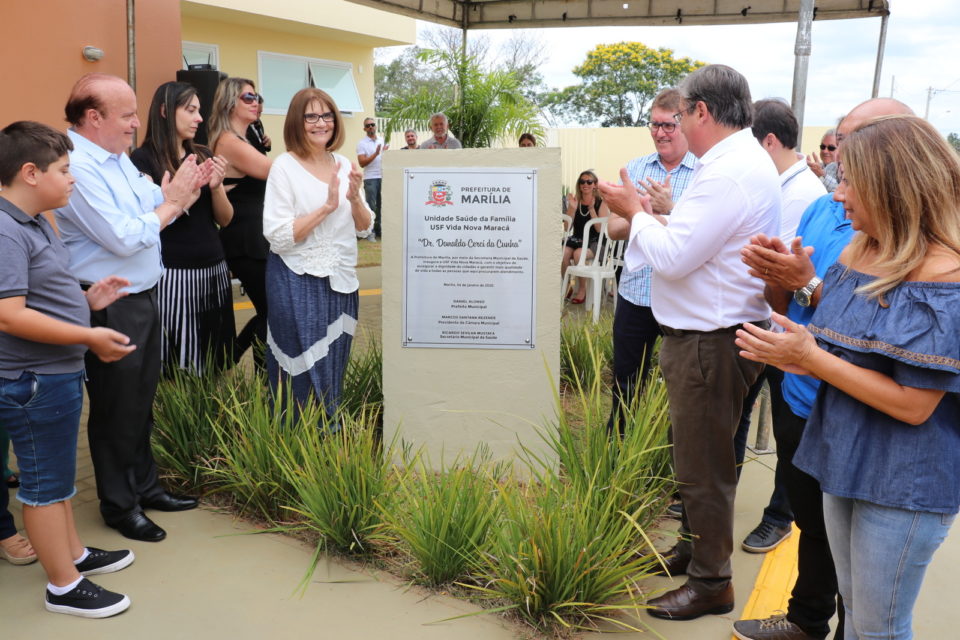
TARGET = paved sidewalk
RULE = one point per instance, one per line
(206, 581)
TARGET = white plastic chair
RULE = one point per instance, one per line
(567, 227)
(616, 248)
(594, 270)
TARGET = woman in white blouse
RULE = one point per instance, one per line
(313, 209)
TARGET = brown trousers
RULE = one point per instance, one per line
(707, 382)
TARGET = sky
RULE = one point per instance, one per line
(922, 50)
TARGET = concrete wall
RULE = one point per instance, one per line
(451, 400)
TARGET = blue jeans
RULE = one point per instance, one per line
(41, 412)
(881, 554)
(371, 191)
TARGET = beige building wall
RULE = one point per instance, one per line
(328, 29)
(450, 401)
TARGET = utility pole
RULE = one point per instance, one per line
(893, 79)
(926, 112)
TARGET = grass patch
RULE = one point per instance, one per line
(444, 519)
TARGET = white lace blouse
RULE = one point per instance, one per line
(331, 247)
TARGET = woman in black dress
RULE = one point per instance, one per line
(582, 206)
(235, 107)
(194, 294)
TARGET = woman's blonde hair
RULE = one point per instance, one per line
(224, 100)
(294, 131)
(907, 179)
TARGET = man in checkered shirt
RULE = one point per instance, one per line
(664, 175)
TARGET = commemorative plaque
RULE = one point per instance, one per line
(469, 256)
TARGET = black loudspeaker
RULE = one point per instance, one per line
(206, 81)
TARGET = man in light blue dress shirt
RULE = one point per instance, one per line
(112, 226)
(665, 174)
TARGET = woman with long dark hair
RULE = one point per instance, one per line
(235, 108)
(314, 209)
(194, 294)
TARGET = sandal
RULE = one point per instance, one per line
(578, 300)
(17, 550)
(13, 481)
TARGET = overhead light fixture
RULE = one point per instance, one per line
(92, 54)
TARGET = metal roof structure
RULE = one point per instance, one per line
(528, 14)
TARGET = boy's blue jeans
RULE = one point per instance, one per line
(41, 413)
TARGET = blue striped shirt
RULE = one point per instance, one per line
(635, 285)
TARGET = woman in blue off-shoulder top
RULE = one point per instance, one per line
(884, 435)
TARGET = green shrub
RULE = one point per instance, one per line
(249, 434)
(363, 383)
(561, 560)
(186, 414)
(586, 350)
(337, 480)
(444, 518)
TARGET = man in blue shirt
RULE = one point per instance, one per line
(793, 285)
(111, 225)
(664, 174)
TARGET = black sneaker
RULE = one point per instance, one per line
(100, 561)
(675, 510)
(765, 537)
(88, 600)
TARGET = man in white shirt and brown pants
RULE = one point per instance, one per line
(701, 294)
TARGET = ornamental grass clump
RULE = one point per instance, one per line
(562, 560)
(363, 383)
(338, 476)
(586, 350)
(571, 548)
(186, 415)
(444, 519)
(250, 432)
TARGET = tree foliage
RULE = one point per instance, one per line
(482, 105)
(954, 141)
(617, 83)
(404, 75)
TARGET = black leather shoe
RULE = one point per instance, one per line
(675, 560)
(169, 502)
(139, 527)
(686, 604)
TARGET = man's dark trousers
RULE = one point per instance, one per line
(707, 381)
(121, 408)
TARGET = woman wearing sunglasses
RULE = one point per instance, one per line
(582, 205)
(314, 209)
(883, 439)
(195, 297)
(235, 107)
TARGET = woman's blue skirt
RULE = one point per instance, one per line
(310, 329)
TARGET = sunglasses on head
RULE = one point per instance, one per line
(586, 182)
(249, 98)
(831, 147)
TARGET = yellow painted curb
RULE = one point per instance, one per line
(238, 306)
(771, 591)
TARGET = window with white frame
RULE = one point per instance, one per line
(283, 75)
(200, 53)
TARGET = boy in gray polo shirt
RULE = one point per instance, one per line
(44, 333)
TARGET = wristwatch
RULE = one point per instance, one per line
(804, 295)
